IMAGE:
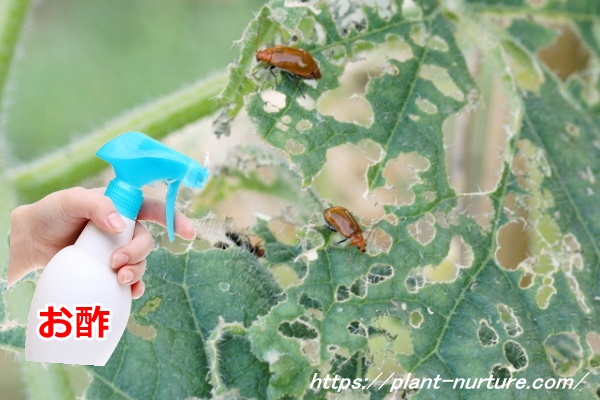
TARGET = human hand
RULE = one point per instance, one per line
(42, 229)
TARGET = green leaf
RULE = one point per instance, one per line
(12, 336)
(410, 101)
(166, 355)
(531, 35)
(12, 17)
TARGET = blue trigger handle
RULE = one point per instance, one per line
(172, 189)
(139, 160)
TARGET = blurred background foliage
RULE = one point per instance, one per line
(81, 63)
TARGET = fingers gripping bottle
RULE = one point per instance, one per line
(79, 309)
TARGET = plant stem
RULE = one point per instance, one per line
(12, 16)
(69, 165)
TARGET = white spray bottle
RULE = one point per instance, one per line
(79, 309)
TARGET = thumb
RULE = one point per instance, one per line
(81, 204)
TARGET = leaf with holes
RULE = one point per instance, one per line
(172, 339)
(410, 97)
(489, 272)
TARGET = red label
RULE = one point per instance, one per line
(86, 321)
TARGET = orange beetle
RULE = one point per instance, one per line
(295, 61)
(340, 220)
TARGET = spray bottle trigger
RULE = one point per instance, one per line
(172, 189)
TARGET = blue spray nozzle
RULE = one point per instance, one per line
(139, 160)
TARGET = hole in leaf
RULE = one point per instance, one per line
(512, 242)
(380, 240)
(572, 249)
(423, 231)
(294, 147)
(281, 126)
(392, 219)
(310, 302)
(397, 335)
(509, 320)
(442, 220)
(593, 340)
(342, 107)
(382, 359)
(400, 175)
(347, 367)
(442, 80)
(411, 11)
(298, 330)
(273, 101)
(415, 319)
(526, 281)
(347, 103)
(565, 353)
(426, 106)
(379, 273)
(437, 43)
(350, 16)
(303, 125)
(515, 354)
(342, 293)
(150, 306)
(285, 276)
(460, 255)
(479, 208)
(545, 293)
(418, 34)
(356, 328)
(146, 332)
(310, 349)
(486, 334)
(306, 102)
(359, 288)
(500, 376)
(481, 130)
(342, 181)
(284, 231)
(414, 282)
(566, 55)
(371, 150)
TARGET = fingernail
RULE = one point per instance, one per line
(119, 260)
(116, 222)
(128, 276)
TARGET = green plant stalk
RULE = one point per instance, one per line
(77, 161)
(12, 16)
(47, 382)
